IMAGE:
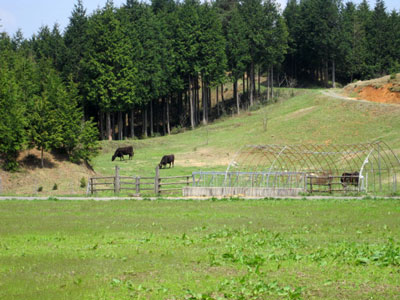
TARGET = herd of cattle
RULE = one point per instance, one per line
(324, 178)
(165, 160)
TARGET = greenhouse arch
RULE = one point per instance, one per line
(291, 169)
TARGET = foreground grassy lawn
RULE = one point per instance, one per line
(286, 249)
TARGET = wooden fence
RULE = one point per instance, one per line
(138, 184)
(329, 184)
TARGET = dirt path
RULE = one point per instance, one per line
(334, 94)
(3, 198)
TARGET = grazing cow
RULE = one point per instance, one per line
(167, 159)
(120, 152)
(349, 179)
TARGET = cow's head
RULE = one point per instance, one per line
(113, 157)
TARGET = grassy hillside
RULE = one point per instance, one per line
(311, 117)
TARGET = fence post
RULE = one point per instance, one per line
(88, 187)
(137, 185)
(116, 180)
(91, 186)
(157, 181)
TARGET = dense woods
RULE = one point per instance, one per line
(143, 69)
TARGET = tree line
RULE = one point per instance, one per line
(333, 41)
(140, 69)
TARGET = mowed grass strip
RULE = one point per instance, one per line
(233, 249)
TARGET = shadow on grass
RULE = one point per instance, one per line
(32, 162)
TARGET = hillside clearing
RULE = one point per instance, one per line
(310, 117)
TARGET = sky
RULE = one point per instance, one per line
(30, 15)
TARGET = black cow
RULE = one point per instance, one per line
(349, 179)
(120, 152)
(167, 159)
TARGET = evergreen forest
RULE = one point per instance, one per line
(145, 68)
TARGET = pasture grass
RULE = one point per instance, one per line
(309, 117)
(232, 249)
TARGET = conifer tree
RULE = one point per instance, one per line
(110, 73)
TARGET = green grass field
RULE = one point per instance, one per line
(308, 118)
(232, 249)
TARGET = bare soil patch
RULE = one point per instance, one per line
(381, 90)
(204, 157)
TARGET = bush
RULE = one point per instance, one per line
(87, 146)
(55, 187)
(177, 129)
(83, 182)
(393, 76)
(40, 189)
(395, 89)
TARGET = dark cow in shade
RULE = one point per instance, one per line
(167, 159)
(120, 152)
(349, 179)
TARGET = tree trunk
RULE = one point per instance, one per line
(112, 126)
(126, 125)
(268, 80)
(247, 87)
(251, 84)
(222, 93)
(132, 123)
(217, 100)
(209, 109)
(168, 126)
(204, 102)
(259, 82)
(151, 119)
(236, 92)
(41, 158)
(272, 82)
(243, 87)
(333, 74)
(164, 116)
(101, 125)
(144, 129)
(120, 126)
(198, 110)
(108, 126)
(326, 74)
(191, 101)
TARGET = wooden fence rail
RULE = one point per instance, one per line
(137, 183)
(313, 183)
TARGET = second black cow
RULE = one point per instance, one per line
(167, 159)
(120, 152)
(349, 179)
